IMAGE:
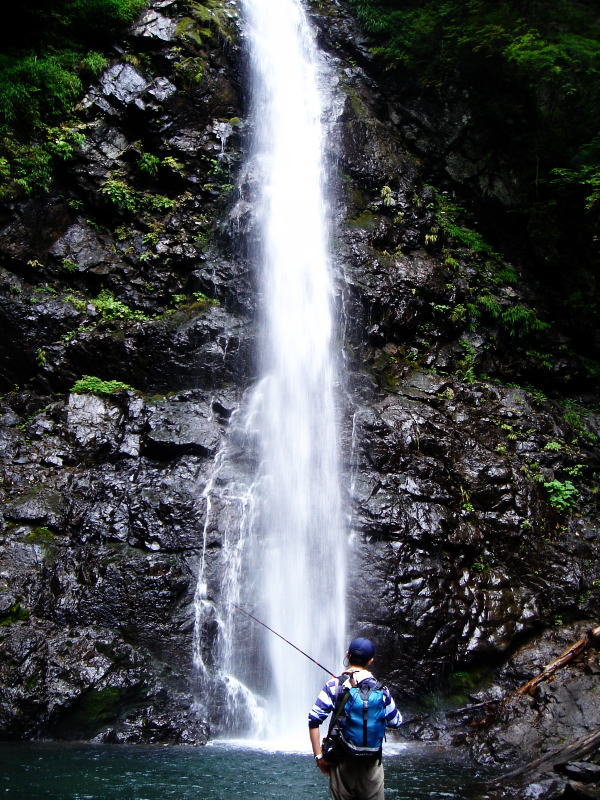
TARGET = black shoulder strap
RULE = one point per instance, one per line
(341, 697)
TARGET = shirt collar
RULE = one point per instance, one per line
(356, 677)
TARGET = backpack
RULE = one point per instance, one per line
(357, 727)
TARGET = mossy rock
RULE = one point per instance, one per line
(366, 221)
(15, 613)
(93, 710)
(41, 535)
(468, 681)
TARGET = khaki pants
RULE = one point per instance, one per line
(357, 780)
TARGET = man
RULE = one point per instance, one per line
(353, 778)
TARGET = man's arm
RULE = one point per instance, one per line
(315, 740)
(393, 718)
(322, 707)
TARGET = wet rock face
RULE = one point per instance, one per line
(453, 536)
(128, 277)
(98, 573)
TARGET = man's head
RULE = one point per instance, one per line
(361, 652)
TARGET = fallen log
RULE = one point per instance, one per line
(592, 637)
(577, 750)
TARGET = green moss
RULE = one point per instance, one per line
(95, 708)
(366, 221)
(469, 680)
(32, 681)
(196, 302)
(190, 71)
(41, 535)
(16, 613)
(89, 384)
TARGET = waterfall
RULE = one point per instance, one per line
(290, 551)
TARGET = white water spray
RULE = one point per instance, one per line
(296, 548)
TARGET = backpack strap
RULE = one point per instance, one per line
(341, 698)
(365, 693)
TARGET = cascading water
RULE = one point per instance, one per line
(286, 559)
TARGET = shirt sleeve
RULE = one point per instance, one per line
(393, 718)
(324, 704)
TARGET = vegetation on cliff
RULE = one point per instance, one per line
(55, 49)
(528, 75)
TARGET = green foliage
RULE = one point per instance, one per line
(553, 447)
(528, 75)
(156, 203)
(69, 265)
(466, 365)
(119, 194)
(387, 197)
(110, 308)
(126, 199)
(28, 168)
(14, 613)
(173, 164)
(55, 48)
(563, 496)
(447, 214)
(202, 300)
(94, 63)
(149, 164)
(33, 88)
(89, 384)
(197, 302)
(517, 320)
(575, 415)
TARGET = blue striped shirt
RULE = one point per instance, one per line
(325, 702)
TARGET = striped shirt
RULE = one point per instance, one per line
(325, 702)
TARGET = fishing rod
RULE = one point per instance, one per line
(248, 614)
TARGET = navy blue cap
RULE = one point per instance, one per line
(363, 649)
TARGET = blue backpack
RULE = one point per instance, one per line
(358, 723)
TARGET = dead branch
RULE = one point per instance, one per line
(576, 750)
(591, 638)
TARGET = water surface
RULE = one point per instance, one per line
(217, 772)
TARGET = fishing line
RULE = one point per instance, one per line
(287, 641)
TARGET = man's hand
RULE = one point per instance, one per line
(324, 766)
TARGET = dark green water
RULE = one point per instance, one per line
(216, 772)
